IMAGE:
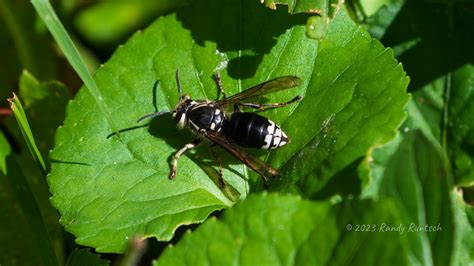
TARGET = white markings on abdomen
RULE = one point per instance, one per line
(275, 137)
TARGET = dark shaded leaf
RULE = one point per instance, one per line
(22, 225)
(80, 257)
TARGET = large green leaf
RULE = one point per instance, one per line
(285, 230)
(109, 188)
(359, 96)
(413, 171)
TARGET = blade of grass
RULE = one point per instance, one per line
(25, 129)
(54, 25)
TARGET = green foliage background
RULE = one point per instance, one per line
(365, 154)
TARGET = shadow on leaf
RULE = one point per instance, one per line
(432, 40)
(236, 26)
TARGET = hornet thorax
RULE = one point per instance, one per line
(200, 116)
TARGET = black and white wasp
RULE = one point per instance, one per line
(210, 120)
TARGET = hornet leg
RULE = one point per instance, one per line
(178, 154)
(216, 156)
(217, 77)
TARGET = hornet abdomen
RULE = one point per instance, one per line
(251, 130)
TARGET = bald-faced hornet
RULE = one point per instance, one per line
(209, 120)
